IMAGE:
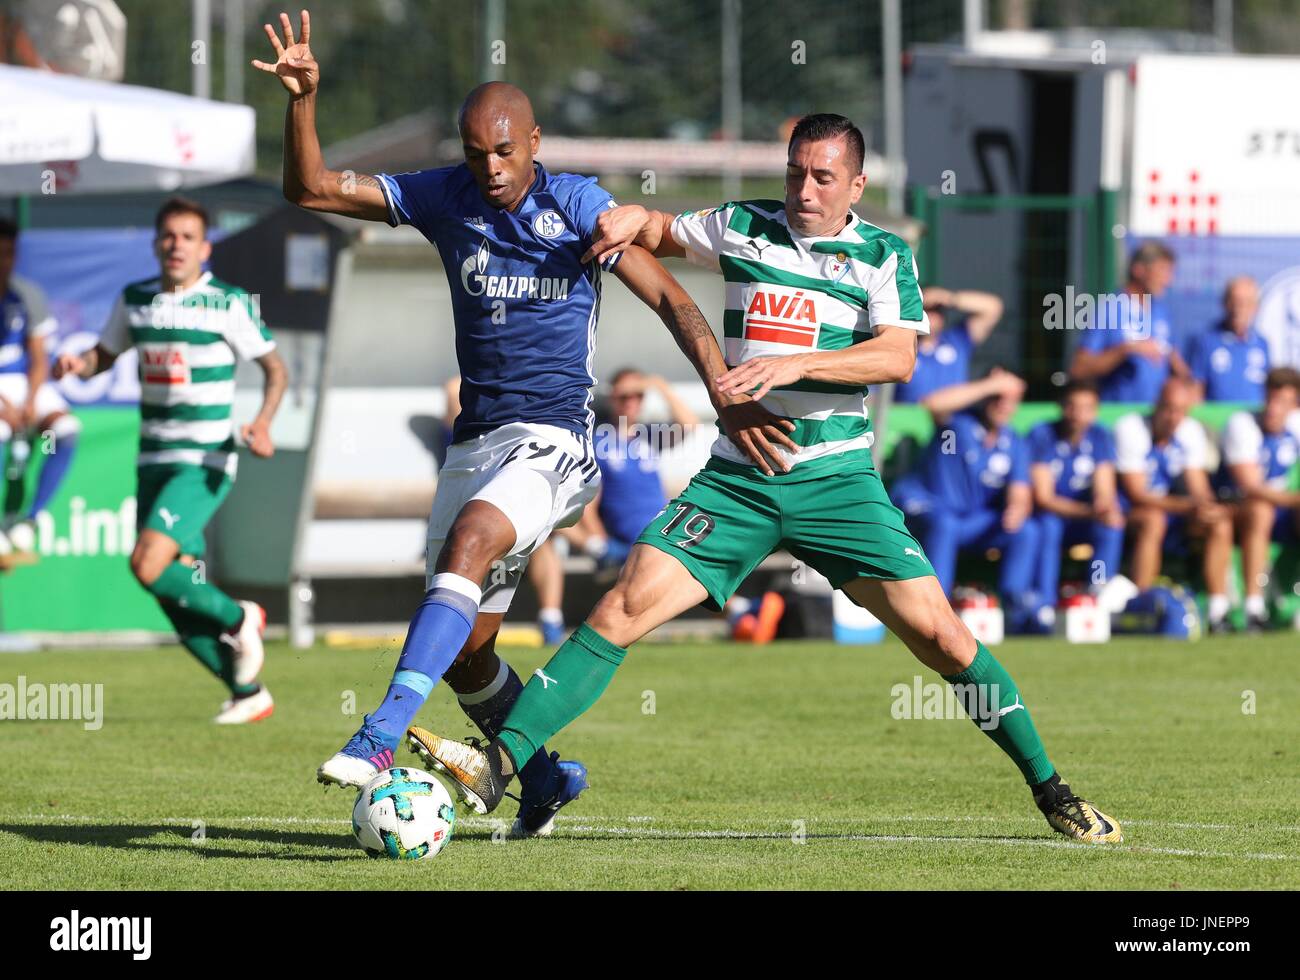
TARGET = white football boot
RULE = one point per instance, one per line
(243, 711)
(247, 643)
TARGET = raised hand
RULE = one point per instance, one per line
(294, 62)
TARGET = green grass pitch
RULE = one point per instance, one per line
(712, 766)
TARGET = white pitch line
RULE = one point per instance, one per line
(725, 834)
(566, 819)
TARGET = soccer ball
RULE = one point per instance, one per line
(403, 814)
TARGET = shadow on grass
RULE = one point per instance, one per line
(163, 838)
(295, 844)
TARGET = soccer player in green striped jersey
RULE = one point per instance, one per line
(819, 305)
(188, 328)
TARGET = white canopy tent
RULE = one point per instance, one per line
(64, 134)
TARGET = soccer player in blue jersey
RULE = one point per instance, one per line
(960, 320)
(1072, 467)
(971, 490)
(1230, 360)
(1161, 462)
(1131, 351)
(29, 404)
(511, 237)
(1260, 450)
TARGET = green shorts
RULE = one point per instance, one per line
(833, 516)
(178, 499)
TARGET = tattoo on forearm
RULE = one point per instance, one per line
(689, 325)
(350, 181)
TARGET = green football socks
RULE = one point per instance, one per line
(184, 585)
(555, 695)
(993, 702)
(201, 638)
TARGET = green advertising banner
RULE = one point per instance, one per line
(81, 581)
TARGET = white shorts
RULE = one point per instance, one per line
(540, 476)
(49, 400)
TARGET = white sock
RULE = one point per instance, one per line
(551, 615)
(596, 547)
(1218, 607)
(1255, 606)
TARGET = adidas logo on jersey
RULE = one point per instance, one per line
(781, 316)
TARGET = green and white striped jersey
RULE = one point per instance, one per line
(790, 294)
(187, 341)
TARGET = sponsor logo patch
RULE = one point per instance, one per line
(164, 364)
(781, 315)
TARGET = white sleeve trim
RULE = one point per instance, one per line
(1132, 444)
(1242, 439)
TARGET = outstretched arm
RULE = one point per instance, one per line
(751, 427)
(307, 182)
(87, 364)
(631, 224)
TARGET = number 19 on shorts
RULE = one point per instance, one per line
(695, 525)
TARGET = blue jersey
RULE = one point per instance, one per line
(1231, 368)
(940, 362)
(631, 494)
(525, 307)
(1136, 451)
(22, 316)
(1137, 379)
(1245, 441)
(971, 476)
(1072, 465)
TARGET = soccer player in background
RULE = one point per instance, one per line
(1229, 361)
(971, 491)
(188, 329)
(960, 321)
(1161, 460)
(31, 409)
(511, 237)
(820, 304)
(1130, 352)
(630, 494)
(1260, 449)
(1072, 468)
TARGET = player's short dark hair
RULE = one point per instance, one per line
(1076, 385)
(8, 230)
(1148, 252)
(829, 126)
(180, 205)
(1282, 377)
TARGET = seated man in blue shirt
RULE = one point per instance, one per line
(960, 320)
(1072, 466)
(1260, 450)
(631, 493)
(1161, 460)
(1129, 349)
(1229, 361)
(971, 491)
